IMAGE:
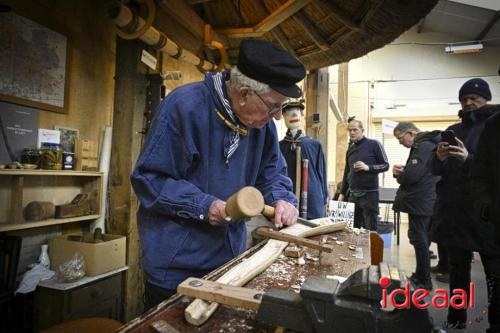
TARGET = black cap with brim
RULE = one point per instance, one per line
(293, 104)
(268, 63)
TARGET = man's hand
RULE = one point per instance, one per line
(397, 169)
(459, 152)
(217, 213)
(443, 151)
(341, 198)
(360, 166)
(284, 213)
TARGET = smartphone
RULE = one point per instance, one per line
(449, 137)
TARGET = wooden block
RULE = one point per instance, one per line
(294, 251)
(39, 210)
(220, 293)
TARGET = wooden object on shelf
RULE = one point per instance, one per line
(39, 210)
(79, 206)
(86, 155)
(18, 181)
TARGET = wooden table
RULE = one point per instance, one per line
(283, 273)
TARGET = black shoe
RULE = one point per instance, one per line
(420, 283)
(438, 269)
(443, 277)
(432, 256)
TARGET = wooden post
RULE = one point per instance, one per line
(298, 173)
(16, 199)
(304, 188)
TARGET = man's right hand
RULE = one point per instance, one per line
(443, 151)
(340, 198)
(397, 169)
(217, 213)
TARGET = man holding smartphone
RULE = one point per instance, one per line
(416, 194)
(459, 229)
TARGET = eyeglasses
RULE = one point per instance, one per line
(402, 136)
(273, 108)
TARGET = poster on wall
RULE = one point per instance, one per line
(33, 64)
(18, 130)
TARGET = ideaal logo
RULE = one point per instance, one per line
(440, 299)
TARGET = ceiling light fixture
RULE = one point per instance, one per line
(464, 48)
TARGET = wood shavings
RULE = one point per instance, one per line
(310, 257)
(323, 240)
(301, 261)
(344, 258)
(340, 243)
(332, 238)
(352, 247)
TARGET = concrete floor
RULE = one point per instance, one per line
(403, 256)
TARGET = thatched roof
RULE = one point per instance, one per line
(320, 33)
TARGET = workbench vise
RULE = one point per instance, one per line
(327, 306)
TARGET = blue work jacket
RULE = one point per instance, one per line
(182, 170)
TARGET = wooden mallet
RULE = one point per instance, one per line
(247, 202)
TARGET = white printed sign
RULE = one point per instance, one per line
(388, 126)
(341, 211)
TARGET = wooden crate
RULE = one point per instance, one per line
(86, 155)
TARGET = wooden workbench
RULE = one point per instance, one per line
(284, 273)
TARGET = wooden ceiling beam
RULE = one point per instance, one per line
(283, 12)
(283, 40)
(341, 16)
(311, 31)
(286, 10)
(188, 18)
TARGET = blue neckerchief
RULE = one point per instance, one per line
(232, 138)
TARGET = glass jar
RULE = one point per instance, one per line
(31, 156)
(51, 156)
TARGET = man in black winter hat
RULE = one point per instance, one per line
(458, 228)
(207, 141)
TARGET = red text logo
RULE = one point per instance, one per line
(401, 299)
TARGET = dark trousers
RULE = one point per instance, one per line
(460, 267)
(154, 295)
(443, 256)
(418, 234)
(366, 210)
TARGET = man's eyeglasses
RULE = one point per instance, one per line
(402, 136)
(271, 108)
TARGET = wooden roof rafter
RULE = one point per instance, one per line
(275, 18)
(349, 26)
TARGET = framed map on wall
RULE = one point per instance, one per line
(33, 63)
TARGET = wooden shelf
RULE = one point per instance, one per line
(28, 225)
(37, 172)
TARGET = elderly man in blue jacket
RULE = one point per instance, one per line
(208, 140)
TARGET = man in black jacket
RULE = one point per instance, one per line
(365, 159)
(458, 229)
(485, 176)
(417, 193)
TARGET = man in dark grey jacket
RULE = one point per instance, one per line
(417, 193)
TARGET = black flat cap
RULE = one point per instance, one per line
(268, 63)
